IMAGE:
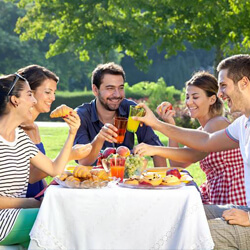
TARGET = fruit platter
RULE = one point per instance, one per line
(158, 178)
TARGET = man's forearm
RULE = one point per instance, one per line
(159, 161)
(189, 137)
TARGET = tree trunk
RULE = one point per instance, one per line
(218, 58)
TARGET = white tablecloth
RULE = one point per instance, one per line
(121, 218)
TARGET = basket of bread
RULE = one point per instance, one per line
(83, 177)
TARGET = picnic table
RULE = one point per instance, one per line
(116, 217)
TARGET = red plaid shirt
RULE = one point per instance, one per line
(225, 178)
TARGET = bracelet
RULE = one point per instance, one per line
(248, 213)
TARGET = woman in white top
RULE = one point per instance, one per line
(17, 213)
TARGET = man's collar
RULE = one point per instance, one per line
(94, 116)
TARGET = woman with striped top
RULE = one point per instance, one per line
(43, 84)
(17, 213)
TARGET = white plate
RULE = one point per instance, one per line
(151, 187)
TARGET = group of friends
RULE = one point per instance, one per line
(221, 148)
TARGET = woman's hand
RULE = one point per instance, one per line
(236, 216)
(143, 149)
(149, 119)
(166, 112)
(80, 151)
(74, 122)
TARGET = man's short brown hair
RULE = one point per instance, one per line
(238, 66)
(107, 68)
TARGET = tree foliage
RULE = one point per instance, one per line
(133, 27)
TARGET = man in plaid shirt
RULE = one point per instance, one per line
(229, 224)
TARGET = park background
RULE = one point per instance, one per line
(159, 43)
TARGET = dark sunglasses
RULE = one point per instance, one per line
(14, 82)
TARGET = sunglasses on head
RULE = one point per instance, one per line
(17, 77)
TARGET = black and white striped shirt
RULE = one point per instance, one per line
(14, 174)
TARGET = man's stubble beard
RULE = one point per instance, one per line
(105, 105)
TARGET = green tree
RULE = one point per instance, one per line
(133, 27)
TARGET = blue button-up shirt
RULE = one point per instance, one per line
(91, 125)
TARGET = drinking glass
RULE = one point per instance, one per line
(120, 124)
(117, 167)
(133, 125)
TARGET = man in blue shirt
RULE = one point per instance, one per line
(97, 117)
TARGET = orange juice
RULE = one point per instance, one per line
(117, 171)
(120, 124)
(117, 166)
(132, 125)
(121, 134)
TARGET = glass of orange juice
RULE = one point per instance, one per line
(117, 166)
(121, 124)
(133, 125)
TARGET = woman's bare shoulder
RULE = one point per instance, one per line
(216, 123)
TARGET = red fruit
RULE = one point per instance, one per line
(98, 167)
(123, 151)
(174, 171)
(170, 107)
(108, 151)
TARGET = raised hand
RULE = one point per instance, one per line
(166, 112)
(108, 133)
(73, 120)
(149, 119)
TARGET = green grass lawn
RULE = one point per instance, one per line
(54, 138)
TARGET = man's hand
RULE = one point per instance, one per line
(108, 133)
(236, 217)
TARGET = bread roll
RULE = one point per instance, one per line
(72, 181)
(60, 111)
(64, 175)
(100, 173)
(82, 172)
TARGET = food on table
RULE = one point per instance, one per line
(186, 178)
(170, 180)
(82, 172)
(64, 175)
(100, 173)
(108, 151)
(134, 180)
(148, 178)
(83, 177)
(174, 171)
(72, 181)
(61, 111)
(134, 165)
(123, 151)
